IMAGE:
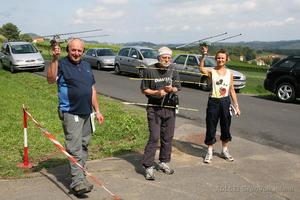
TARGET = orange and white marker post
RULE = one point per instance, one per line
(25, 163)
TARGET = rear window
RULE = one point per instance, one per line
(105, 52)
(286, 64)
(124, 52)
(210, 62)
(23, 49)
(180, 59)
(149, 53)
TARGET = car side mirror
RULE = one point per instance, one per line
(134, 56)
(94, 55)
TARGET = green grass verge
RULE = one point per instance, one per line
(255, 77)
(238, 65)
(254, 83)
(124, 129)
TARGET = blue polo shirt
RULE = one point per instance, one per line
(75, 83)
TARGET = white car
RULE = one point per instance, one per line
(188, 67)
(19, 56)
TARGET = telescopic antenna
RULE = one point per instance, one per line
(200, 40)
(91, 36)
(71, 33)
(227, 38)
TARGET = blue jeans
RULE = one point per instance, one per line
(218, 108)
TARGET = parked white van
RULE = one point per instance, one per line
(19, 56)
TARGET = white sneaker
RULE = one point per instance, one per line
(227, 156)
(164, 167)
(149, 173)
(208, 158)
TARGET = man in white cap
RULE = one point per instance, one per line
(160, 84)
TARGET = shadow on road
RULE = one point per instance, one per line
(193, 149)
(271, 97)
(132, 157)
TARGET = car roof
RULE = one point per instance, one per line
(100, 48)
(293, 56)
(17, 43)
(137, 47)
(197, 55)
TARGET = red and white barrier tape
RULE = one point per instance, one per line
(70, 157)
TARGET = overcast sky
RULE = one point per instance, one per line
(158, 21)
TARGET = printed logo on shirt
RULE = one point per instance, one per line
(165, 79)
(222, 87)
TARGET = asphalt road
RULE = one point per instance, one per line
(263, 120)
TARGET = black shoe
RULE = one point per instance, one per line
(80, 189)
(89, 186)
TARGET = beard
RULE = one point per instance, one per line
(165, 64)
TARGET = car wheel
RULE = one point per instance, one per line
(237, 90)
(285, 92)
(117, 69)
(11, 68)
(141, 73)
(205, 84)
(99, 66)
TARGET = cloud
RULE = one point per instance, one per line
(194, 9)
(113, 2)
(261, 23)
(6, 14)
(97, 14)
(161, 19)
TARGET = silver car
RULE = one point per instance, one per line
(135, 59)
(21, 56)
(101, 58)
(188, 67)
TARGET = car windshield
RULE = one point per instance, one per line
(23, 48)
(210, 62)
(149, 53)
(105, 52)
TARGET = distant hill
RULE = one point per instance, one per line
(33, 35)
(257, 45)
(144, 44)
(91, 41)
(291, 44)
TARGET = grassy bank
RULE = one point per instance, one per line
(254, 83)
(255, 77)
(123, 130)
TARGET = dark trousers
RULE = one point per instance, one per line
(217, 109)
(161, 123)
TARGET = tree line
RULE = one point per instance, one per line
(10, 32)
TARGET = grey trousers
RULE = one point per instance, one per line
(78, 132)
